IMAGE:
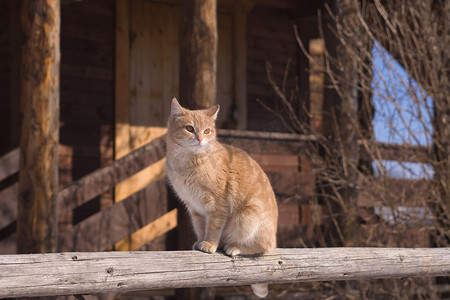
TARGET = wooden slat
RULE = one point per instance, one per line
(107, 177)
(122, 84)
(9, 164)
(149, 232)
(8, 205)
(92, 273)
(393, 192)
(290, 184)
(262, 135)
(277, 163)
(140, 180)
(257, 142)
(100, 231)
(316, 83)
(394, 152)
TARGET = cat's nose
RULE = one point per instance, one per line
(199, 139)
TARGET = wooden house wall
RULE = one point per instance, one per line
(8, 109)
(87, 85)
(87, 93)
(270, 38)
(5, 69)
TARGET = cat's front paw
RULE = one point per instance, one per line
(232, 250)
(205, 246)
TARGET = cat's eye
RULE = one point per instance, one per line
(189, 128)
(207, 131)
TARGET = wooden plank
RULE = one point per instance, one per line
(92, 273)
(394, 192)
(394, 152)
(292, 184)
(289, 215)
(9, 164)
(100, 231)
(257, 142)
(277, 163)
(278, 136)
(140, 180)
(149, 232)
(316, 83)
(122, 81)
(107, 177)
(8, 205)
(8, 245)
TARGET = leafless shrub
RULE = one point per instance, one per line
(368, 201)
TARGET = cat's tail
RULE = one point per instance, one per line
(261, 289)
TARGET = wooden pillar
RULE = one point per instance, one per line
(198, 68)
(38, 174)
(198, 47)
(198, 53)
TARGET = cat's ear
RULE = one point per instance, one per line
(213, 111)
(175, 108)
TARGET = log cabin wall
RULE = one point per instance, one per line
(270, 38)
(88, 70)
(9, 77)
(87, 94)
(5, 84)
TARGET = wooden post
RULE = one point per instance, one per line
(38, 173)
(198, 68)
(198, 57)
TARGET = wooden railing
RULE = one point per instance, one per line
(281, 155)
(75, 273)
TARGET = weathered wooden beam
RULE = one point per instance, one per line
(368, 150)
(8, 205)
(100, 231)
(39, 97)
(9, 163)
(107, 177)
(101, 272)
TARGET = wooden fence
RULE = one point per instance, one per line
(78, 273)
(283, 156)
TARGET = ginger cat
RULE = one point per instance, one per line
(229, 197)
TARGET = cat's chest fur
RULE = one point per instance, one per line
(192, 178)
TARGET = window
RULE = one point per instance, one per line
(403, 114)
